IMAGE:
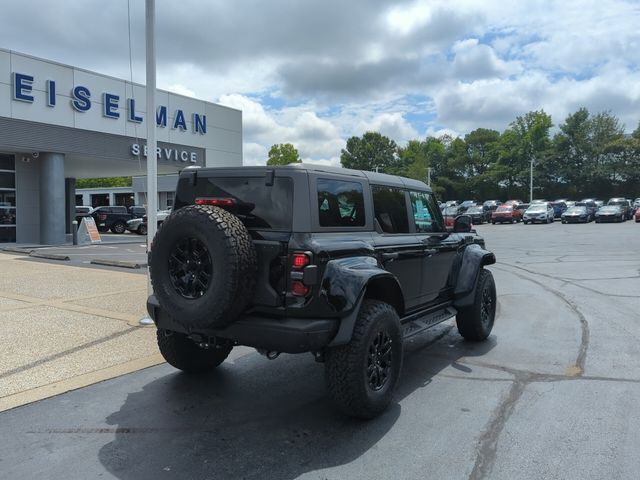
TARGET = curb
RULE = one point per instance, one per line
(118, 263)
(49, 256)
(17, 250)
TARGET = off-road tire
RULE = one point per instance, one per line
(183, 354)
(472, 323)
(119, 227)
(346, 366)
(233, 260)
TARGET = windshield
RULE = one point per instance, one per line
(609, 208)
(577, 210)
(537, 208)
(475, 210)
(504, 208)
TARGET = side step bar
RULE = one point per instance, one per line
(414, 324)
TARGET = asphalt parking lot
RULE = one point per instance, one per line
(553, 393)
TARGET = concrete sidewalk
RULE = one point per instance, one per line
(65, 327)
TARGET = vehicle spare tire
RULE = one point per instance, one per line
(203, 266)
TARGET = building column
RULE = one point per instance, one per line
(70, 210)
(52, 199)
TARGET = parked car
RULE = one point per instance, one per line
(611, 213)
(522, 207)
(576, 215)
(466, 204)
(558, 208)
(449, 214)
(351, 300)
(139, 225)
(137, 211)
(111, 218)
(591, 207)
(83, 211)
(513, 202)
(538, 213)
(477, 214)
(625, 206)
(637, 215)
(506, 213)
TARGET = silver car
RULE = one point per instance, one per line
(538, 212)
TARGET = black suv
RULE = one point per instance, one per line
(341, 263)
(111, 218)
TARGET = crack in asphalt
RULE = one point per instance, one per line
(488, 442)
(584, 325)
(487, 446)
(571, 282)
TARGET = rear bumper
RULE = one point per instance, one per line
(281, 334)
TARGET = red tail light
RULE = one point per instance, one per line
(299, 289)
(217, 202)
(300, 260)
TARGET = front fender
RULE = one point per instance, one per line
(344, 284)
(474, 258)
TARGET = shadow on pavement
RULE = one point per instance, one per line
(255, 419)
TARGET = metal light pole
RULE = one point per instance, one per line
(531, 182)
(152, 161)
(429, 176)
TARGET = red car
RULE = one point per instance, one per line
(506, 213)
(637, 215)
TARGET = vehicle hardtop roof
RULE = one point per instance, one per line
(373, 177)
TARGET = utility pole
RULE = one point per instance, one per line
(152, 159)
(531, 182)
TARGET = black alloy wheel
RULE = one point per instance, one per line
(190, 268)
(142, 229)
(379, 361)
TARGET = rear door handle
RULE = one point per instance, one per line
(389, 256)
(430, 251)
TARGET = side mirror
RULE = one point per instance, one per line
(462, 224)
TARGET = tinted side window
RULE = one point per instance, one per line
(340, 203)
(390, 209)
(425, 213)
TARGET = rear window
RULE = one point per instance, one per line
(261, 206)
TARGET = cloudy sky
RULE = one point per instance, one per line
(314, 73)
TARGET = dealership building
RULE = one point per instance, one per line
(60, 123)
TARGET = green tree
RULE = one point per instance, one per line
(283, 154)
(371, 151)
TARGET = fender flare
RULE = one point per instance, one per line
(347, 282)
(473, 259)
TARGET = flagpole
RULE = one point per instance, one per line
(150, 118)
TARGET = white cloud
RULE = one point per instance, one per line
(315, 73)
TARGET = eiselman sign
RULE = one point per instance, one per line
(112, 105)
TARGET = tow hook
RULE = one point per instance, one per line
(270, 354)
